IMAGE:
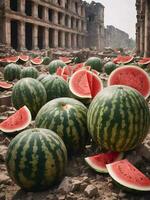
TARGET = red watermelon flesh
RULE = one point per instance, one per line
(132, 76)
(59, 71)
(67, 70)
(79, 84)
(123, 59)
(128, 175)
(18, 121)
(78, 67)
(5, 85)
(85, 84)
(99, 161)
(37, 61)
(144, 61)
(24, 58)
(65, 59)
(12, 59)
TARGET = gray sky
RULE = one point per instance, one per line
(121, 14)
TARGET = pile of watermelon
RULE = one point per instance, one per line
(116, 118)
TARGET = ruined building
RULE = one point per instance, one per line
(41, 24)
(116, 38)
(95, 25)
(143, 28)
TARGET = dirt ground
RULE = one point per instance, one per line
(80, 181)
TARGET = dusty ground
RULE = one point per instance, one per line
(80, 182)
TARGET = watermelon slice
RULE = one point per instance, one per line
(77, 67)
(16, 122)
(5, 85)
(144, 61)
(128, 176)
(85, 84)
(23, 58)
(66, 60)
(36, 61)
(132, 76)
(98, 162)
(123, 59)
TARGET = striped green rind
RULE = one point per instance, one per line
(109, 67)
(118, 118)
(46, 60)
(54, 65)
(36, 159)
(55, 87)
(95, 63)
(67, 117)
(11, 72)
(29, 72)
(29, 92)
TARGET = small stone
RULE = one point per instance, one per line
(65, 186)
(76, 185)
(2, 196)
(121, 194)
(62, 197)
(144, 151)
(3, 151)
(83, 186)
(91, 191)
(4, 179)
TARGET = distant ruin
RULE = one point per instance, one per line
(30, 24)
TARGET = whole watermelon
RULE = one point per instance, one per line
(109, 67)
(118, 118)
(68, 118)
(36, 159)
(46, 60)
(95, 63)
(29, 72)
(11, 72)
(54, 65)
(29, 92)
(55, 87)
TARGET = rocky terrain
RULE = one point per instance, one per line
(80, 181)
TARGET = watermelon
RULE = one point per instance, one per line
(5, 85)
(123, 59)
(29, 72)
(109, 67)
(67, 117)
(36, 61)
(77, 67)
(23, 58)
(46, 60)
(29, 92)
(16, 122)
(128, 176)
(132, 76)
(12, 71)
(76, 60)
(98, 162)
(55, 87)
(95, 63)
(85, 84)
(118, 118)
(54, 65)
(36, 159)
(144, 61)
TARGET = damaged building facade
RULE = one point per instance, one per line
(143, 28)
(37, 24)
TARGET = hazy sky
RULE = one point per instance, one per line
(121, 14)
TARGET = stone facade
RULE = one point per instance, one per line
(143, 28)
(116, 38)
(38, 24)
(95, 25)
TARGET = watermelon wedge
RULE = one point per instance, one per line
(85, 84)
(5, 85)
(12, 59)
(132, 76)
(123, 59)
(36, 61)
(144, 61)
(16, 122)
(128, 176)
(98, 162)
(23, 58)
(66, 60)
